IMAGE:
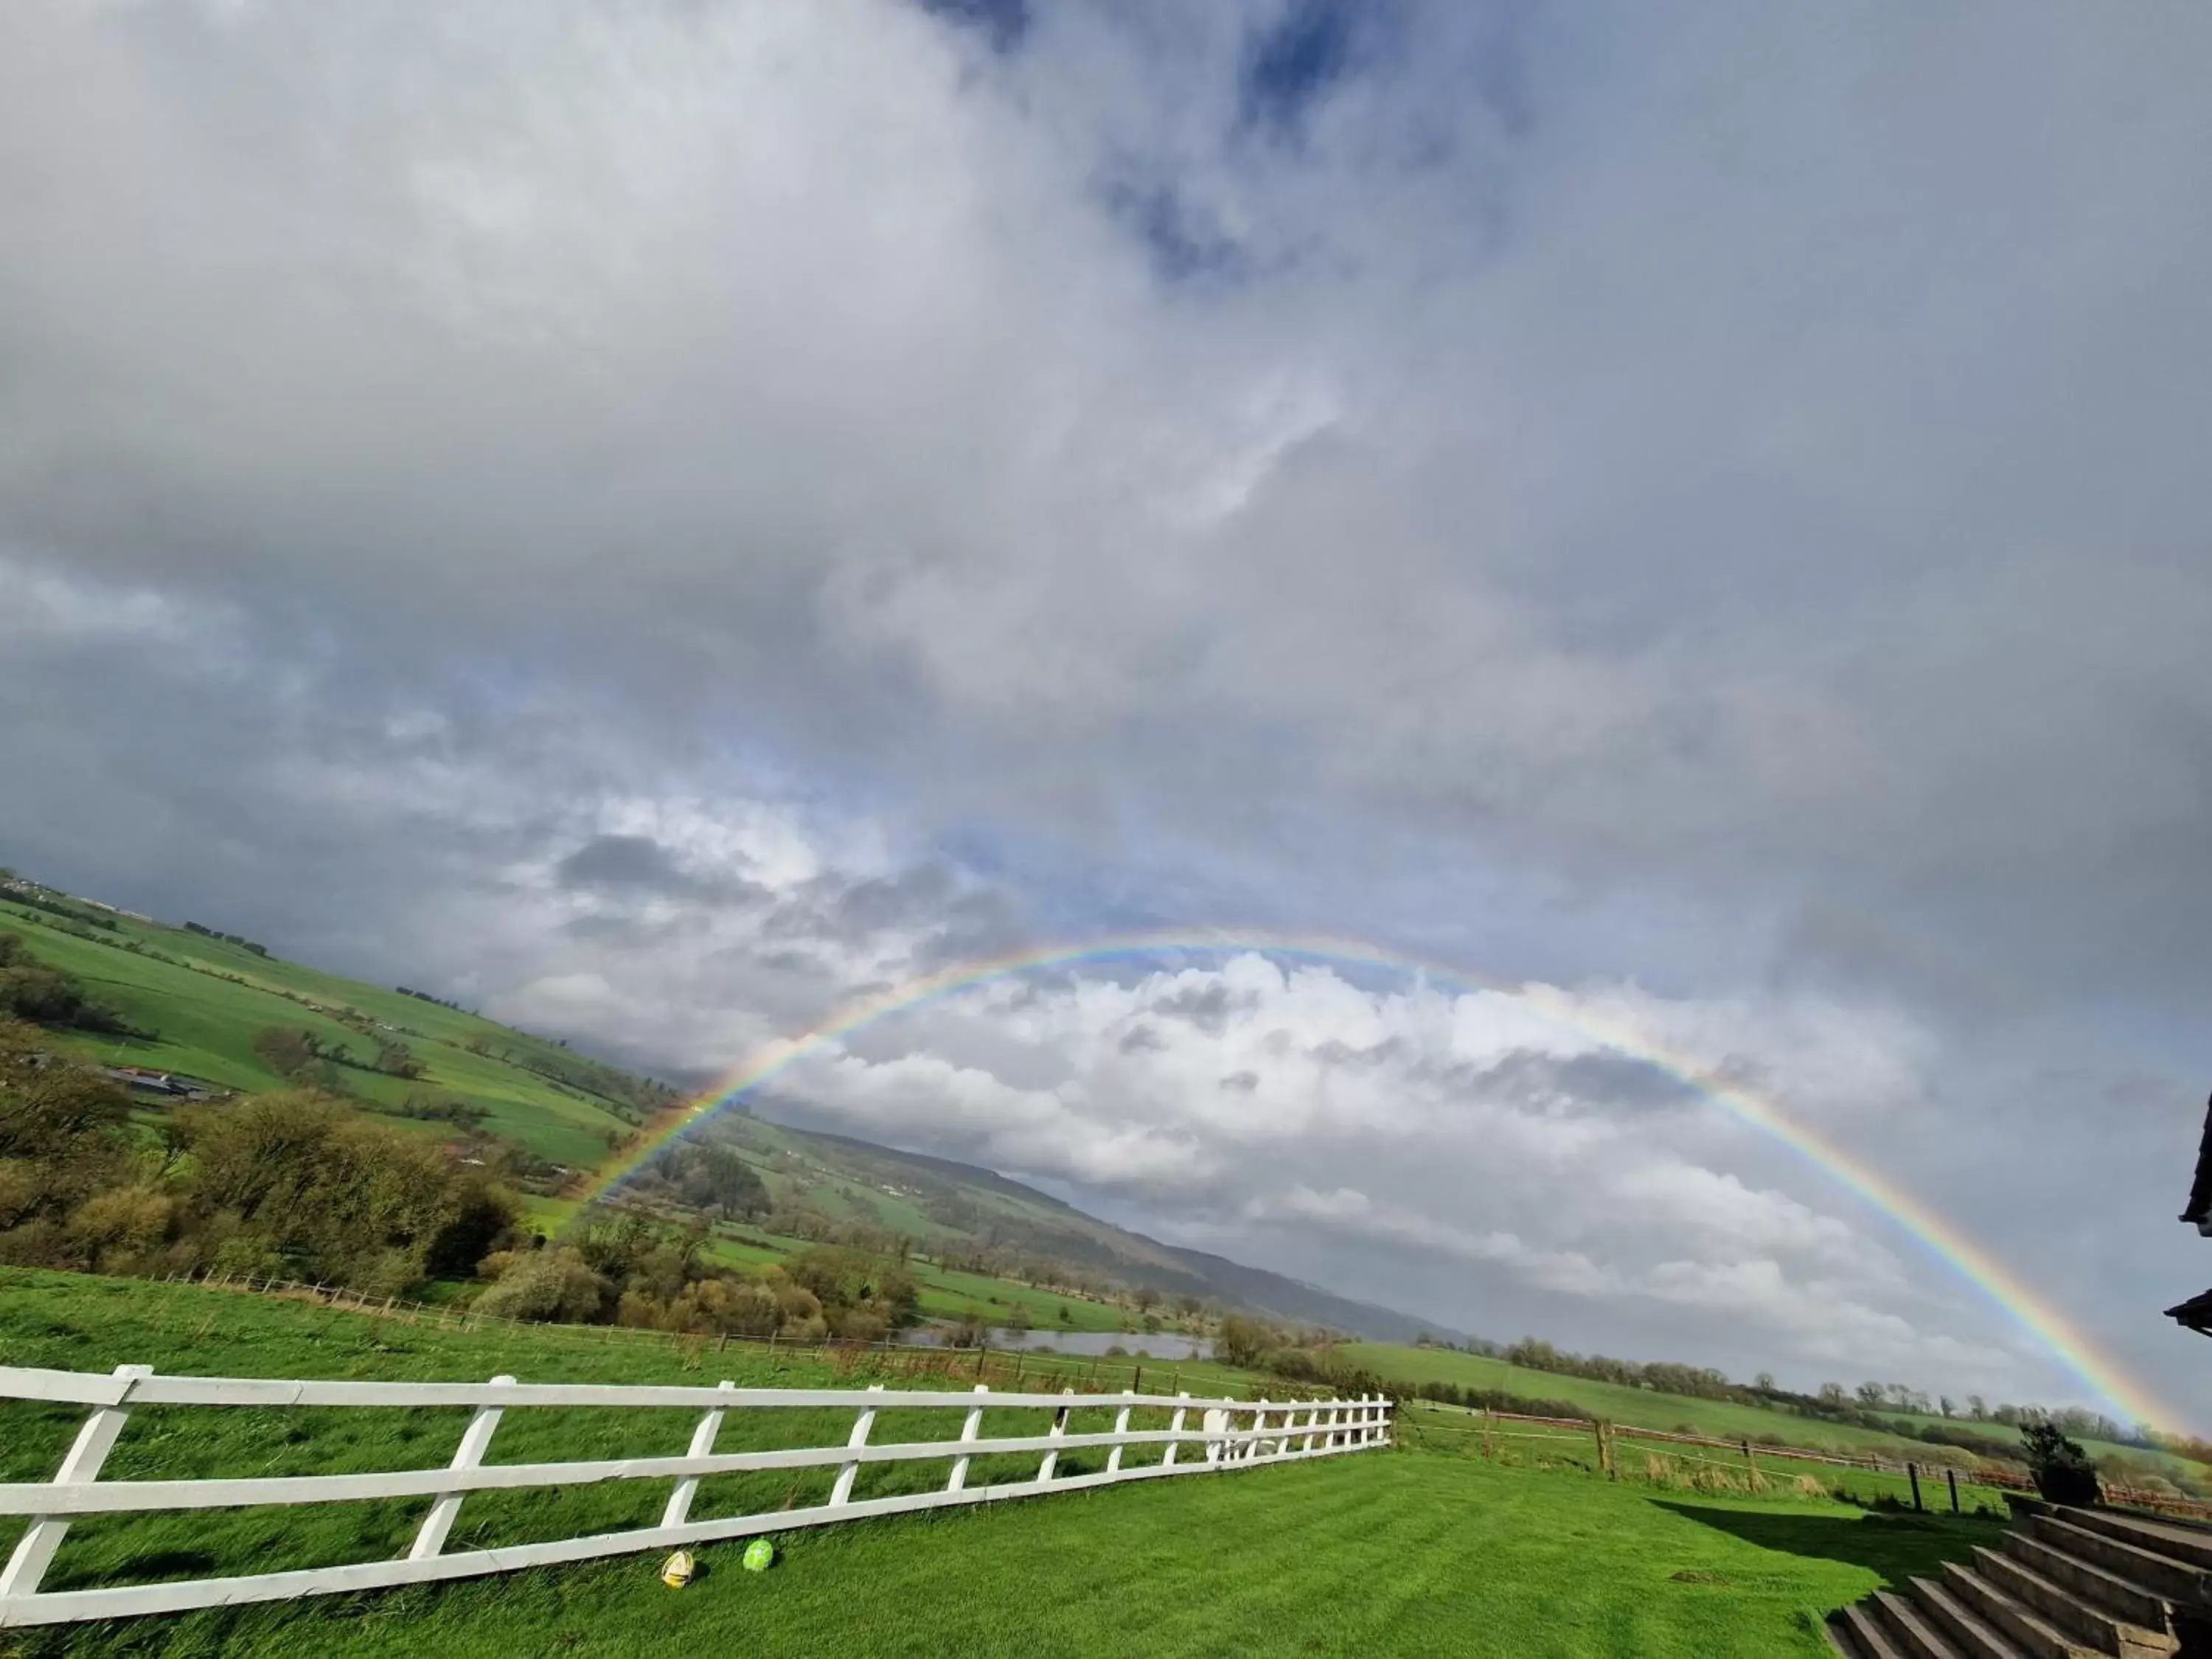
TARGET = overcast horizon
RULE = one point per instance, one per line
(658, 519)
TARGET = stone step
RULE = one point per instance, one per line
(2178, 1581)
(2026, 1629)
(2171, 1539)
(2099, 1585)
(1856, 1633)
(1971, 1637)
(1909, 1628)
(2070, 1612)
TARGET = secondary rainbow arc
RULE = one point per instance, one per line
(2131, 1399)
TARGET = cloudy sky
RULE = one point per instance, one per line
(655, 519)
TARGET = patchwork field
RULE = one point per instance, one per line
(208, 1001)
(1409, 1552)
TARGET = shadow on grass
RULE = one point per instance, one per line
(1898, 1547)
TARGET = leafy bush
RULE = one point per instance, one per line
(2062, 1471)
(32, 992)
(543, 1285)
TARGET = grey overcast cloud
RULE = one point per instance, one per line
(657, 519)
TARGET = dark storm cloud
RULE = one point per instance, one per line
(1708, 499)
(626, 864)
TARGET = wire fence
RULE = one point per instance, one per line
(1596, 1446)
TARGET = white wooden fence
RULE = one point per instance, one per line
(1229, 1434)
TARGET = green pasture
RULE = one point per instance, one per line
(1423, 1550)
(947, 1294)
(206, 1025)
(1645, 1408)
(1451, 1432)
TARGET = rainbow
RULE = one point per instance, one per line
(2131, 1401)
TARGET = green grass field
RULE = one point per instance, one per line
(1646, 1409)
(210, 1003)
(1409, 1551)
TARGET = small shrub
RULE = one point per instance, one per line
(2062, 1471)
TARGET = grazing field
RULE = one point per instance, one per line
(1649, 1410)
(208, 1001)
(1409, 1553)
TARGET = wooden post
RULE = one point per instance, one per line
(1913, 1474)
(430, 1538)
(1486, 1434)
(702, 1445)
(1751, 1463)
(1018, 1364)
(1951, 1478)
(968, 1429)
(1605, 1451)
(982, 1353)
(94, 1440)
(841, 1492)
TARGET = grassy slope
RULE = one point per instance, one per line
(1646, 1409)
(208, 1012)
(209, 1004)
(1407, 1553)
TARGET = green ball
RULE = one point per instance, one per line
(759, 1555)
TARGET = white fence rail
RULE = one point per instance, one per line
(1228, 1434)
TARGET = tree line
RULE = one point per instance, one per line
(34, 994)
(1867, 1406)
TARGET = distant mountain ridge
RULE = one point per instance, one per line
(1048, 1226)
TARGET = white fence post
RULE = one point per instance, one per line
(1121, 1426)
(968, 1431)
(702, 1445)
(93, 1442)
(1215, 1423)
(1169, 1461)
(431, 1537)
(848, 1472)
(1313, 1422)
(1059, 1428)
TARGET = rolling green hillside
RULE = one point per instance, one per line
(202, 1000)
(206, 1001)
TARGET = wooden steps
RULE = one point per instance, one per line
(2069, 1584)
